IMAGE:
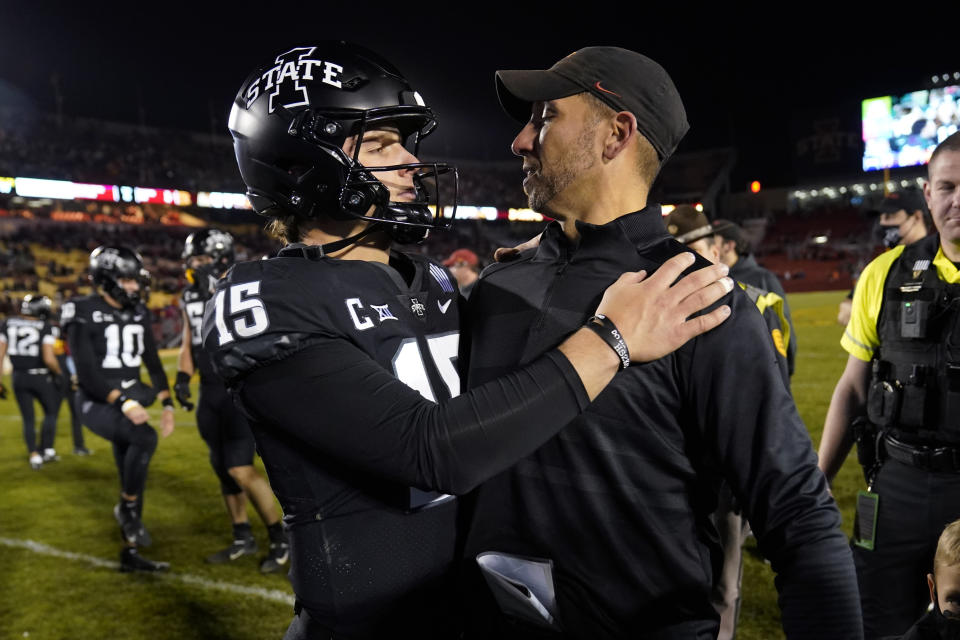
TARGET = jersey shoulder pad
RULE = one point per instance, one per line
(77, 310)
(436, 272)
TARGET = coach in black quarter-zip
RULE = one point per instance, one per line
(614, 509)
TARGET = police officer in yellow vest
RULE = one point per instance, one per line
(903, 375)
(692, 228)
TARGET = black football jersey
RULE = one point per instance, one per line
(192, 301)
(24, 338)
(266, 310)
(359, 543)
(118, 338)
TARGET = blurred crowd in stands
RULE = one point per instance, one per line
(38, 145)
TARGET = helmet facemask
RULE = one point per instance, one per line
(360, 189)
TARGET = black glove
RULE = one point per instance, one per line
(3, 392)
(181, 389)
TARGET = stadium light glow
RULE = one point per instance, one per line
(222, 200)
(6, 185)
(820, 240)
(65, 190)
(755, 186)
(524, 215)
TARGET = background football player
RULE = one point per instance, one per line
(29, 339)
(67, 384)
(110, 336)
(343, 353)
(207, 254)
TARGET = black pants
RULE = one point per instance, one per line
(226, 432)
(913, 509)
(39, 386)
(133, 444)
(68, 396)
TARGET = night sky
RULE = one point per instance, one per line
(741, 73)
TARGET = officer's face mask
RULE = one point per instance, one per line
(890, 234)
(947, 624)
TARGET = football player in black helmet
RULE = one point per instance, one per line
(207, 254)
(110, 336)
(343, 352)
(28, 339)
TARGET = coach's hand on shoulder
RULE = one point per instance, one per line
(653, 312)
(507, 254)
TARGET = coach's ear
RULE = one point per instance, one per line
(621, 133)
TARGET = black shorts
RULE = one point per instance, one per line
(223, 427)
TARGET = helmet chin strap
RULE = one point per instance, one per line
(333, 247)
(323, 250)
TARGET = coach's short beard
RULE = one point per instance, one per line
(567, 168)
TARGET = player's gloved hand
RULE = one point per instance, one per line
(653, 314)
(74, 382)
(181, 389)
(3, 392)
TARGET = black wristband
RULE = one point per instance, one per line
(120, 400)
(183, 376)
(604, 327)
(167, 402)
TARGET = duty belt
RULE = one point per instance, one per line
(37, 371)
(928, 458)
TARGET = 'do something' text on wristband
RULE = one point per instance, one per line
(604, 327)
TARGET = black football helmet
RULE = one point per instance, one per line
(289, 123)
(214, 243)
(36, 306)
(109, 264)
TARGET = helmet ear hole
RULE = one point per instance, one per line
(354, 201)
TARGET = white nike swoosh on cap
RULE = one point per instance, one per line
(126, 384)
(444, 306)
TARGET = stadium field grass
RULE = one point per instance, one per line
(66, 507)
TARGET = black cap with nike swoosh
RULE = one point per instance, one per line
(623, 79)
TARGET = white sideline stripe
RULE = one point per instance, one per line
(273, 595)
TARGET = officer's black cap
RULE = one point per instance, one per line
(622, 79)
(909, 199)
